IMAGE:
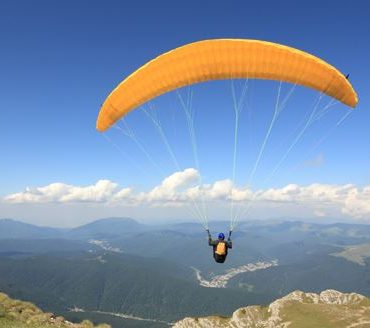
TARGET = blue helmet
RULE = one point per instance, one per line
(221, 236)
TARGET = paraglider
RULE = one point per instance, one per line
(223, 59)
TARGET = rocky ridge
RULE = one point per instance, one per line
(328, 309)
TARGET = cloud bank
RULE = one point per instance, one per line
(182, 188)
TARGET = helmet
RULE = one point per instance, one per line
(221, 236)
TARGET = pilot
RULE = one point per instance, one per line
(220, 247)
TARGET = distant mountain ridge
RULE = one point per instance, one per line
(12, 229)
(107, 228)
(102, 228)
(329, 309)
(280, 225)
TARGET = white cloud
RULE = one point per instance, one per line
(357, 202)
(123, 194)
(101, 191)
(313, 192)
(220, 190)
(182, 188)
(349, 199)
(170, 190)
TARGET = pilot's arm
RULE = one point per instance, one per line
(210, 241)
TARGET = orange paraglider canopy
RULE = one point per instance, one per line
(223, 59)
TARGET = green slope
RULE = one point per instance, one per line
(147, 288)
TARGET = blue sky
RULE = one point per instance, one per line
(60, 59)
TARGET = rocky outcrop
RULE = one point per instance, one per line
(17, 314)
(330, 308)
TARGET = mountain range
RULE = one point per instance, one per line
(129, 274)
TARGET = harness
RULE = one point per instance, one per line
(221, 248)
